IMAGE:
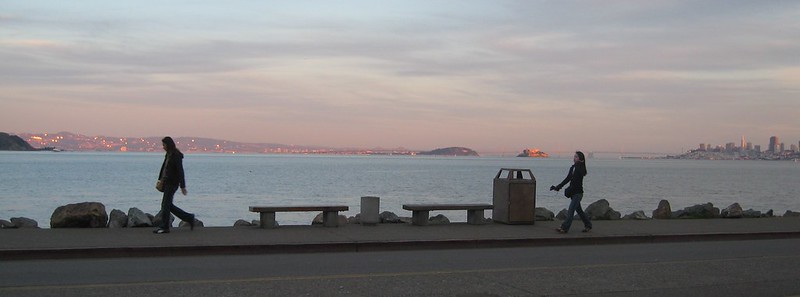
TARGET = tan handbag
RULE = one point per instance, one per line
(160, 186)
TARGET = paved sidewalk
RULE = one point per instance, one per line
(18, 244)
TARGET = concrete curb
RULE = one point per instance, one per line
(372, 246)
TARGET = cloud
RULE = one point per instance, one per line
(622, 68)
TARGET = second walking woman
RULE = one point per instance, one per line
(575, 193)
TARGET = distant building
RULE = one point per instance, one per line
(743, 144)
(730, 147)
(773, 144)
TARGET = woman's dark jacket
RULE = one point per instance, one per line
(575, 180)
(172, 169)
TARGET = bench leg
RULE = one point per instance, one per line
(267, 220)
(419, 217)
(475, 217)
(330, 218)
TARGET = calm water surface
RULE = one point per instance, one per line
(221, 187)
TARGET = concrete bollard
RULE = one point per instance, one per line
(370, 207)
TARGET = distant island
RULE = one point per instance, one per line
(451, 151)
(533, 153)
(13, 143)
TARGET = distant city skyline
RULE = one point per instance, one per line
(494, 76)
(774, 145)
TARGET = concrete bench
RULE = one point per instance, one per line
(420, 212)
(330, 213)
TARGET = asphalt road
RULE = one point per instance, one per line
(712, 268)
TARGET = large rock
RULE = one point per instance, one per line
(137, 218)
(790, 213)
(197, 224)
(242, 223)
(637, 215)
(157, 219)
(750, 213)
(257, 223)
(734, 211)
(439, 219)
(117, 219)
(601, 210)
(390, 218)
(24, 223)
(542, 214)
(699, 211)
(562, 215)
(80, 215)
(664, 210)
(342, 219)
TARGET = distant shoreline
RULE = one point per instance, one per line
(487, 156)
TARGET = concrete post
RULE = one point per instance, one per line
(370, 207)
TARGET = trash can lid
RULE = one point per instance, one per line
(515, 171)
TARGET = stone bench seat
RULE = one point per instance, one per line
(420, 212)
(330, 213)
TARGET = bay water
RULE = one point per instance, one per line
(223, 186)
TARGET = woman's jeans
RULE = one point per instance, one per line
(575, 205)
(168, 207)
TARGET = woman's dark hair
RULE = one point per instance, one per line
(582, 158)
(169, 144)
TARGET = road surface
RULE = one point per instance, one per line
(711, 268)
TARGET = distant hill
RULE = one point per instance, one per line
(67, 141)
(13, 143)
(451, 151)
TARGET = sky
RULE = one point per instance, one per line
(494, 76)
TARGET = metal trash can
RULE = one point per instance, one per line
(514, 196)
(370, 206)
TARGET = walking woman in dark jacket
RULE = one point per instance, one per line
(575, 193)
(171, 176)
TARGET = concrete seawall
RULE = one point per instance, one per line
(18, 244)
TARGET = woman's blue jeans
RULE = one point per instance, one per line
(167, 207)
(575, 206)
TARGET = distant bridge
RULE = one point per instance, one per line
(569, 153)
